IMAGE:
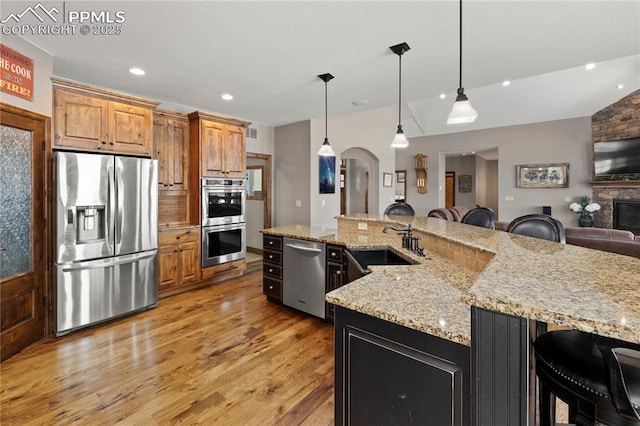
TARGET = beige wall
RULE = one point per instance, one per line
(561, 141)
(291, 174)
(42, 71)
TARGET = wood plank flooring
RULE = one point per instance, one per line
(219, 355)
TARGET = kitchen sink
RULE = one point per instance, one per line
(359, 259)
(377, 256)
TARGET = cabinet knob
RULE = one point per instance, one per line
(270, 269)
(270, 287)
(338, 272)
(270, 243)
(333, 254)
(270, 256)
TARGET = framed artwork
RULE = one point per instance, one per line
(555, 175)
(400, 176)
(387, 179)
(327, 174)
(464, 183)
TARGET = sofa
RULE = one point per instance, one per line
(611, 240)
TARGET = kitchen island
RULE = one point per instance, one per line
(484, 290)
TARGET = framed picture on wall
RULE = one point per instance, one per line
(387, 179)
(327, 174)
(555, 175)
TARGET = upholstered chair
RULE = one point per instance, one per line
(399, 209)
(458, 212)
(480, 216)
(441, 213)
(538, 226)
(598, 377)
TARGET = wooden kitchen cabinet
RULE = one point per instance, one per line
(93, 119)
(221, 144)
(178, 258)
(171, 149)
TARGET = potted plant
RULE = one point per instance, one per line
(585, 209)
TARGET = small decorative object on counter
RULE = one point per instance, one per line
(585, 209)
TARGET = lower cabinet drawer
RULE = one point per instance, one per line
(272, 256)
(272, 270)
(272, 287)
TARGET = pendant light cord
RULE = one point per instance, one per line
(399, 87)
(326, 113)
(460, 74)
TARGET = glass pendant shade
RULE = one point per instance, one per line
(400, 140)
(326, 150)
(462, 111)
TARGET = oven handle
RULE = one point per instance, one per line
(312, 250)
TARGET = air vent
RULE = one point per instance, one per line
(252, 133)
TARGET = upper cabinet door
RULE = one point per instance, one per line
(211, 148)
(234, 150)
(79, 121)
(178, 166)
(130, 129)
(171, 149)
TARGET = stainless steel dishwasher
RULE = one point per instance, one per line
(303, 282)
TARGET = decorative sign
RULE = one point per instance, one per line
(464, 183)
(327, 174)
(16, 73)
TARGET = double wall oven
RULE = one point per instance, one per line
(223, 220)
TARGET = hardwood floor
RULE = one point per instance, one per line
(218, 355)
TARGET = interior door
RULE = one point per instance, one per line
(450, 190)
(23, 139)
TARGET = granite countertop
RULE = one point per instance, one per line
(585, 289)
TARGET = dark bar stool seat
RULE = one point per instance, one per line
(399, 209)
(598, 377)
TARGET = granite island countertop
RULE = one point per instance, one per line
(585, 289)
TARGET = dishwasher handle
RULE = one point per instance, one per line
(302, 248)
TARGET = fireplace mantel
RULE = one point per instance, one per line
(616, 183)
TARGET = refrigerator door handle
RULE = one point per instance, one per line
(112, 206)
(105, 263)
(120, 195)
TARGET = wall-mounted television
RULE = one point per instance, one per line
(617, 158)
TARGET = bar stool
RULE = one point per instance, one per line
(480, 216)
(598, 377)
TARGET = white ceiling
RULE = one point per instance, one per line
(268, 54)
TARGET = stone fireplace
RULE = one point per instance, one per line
(626, 215)
(620, 120)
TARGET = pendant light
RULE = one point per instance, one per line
(326, 150)
(462, 111)
(400, 140)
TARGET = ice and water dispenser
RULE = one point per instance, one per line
(90, 225)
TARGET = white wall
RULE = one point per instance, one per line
(42, 102)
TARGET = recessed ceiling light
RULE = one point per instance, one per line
(473, 152)
(590, 66)
(136, 71)
(442, 96)
(506, 83)
(360, 102)
(227, 96)
(620, 86)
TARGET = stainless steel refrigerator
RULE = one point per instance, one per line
(106, 237)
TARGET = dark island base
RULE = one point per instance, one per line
(390, 374)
